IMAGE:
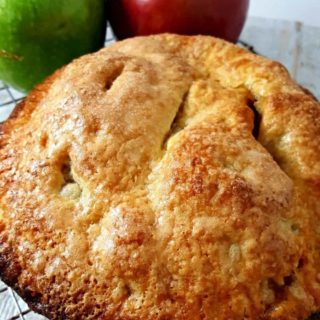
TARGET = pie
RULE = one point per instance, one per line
(164, 177)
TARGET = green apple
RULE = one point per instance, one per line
(39, 36)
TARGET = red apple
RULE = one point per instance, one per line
(220, 18)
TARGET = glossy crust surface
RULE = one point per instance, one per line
(164, 177)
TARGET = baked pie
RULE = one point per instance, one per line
(164, 177)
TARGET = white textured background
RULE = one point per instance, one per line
(305, 11)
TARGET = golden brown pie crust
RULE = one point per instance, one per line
(164, 177)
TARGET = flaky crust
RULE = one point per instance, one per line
(164, 177)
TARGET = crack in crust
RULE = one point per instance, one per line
(178, 198)
(175, 126)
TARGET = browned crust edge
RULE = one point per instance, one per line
(25, 108)
(10, 268)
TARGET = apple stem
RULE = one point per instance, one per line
(9, 55)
